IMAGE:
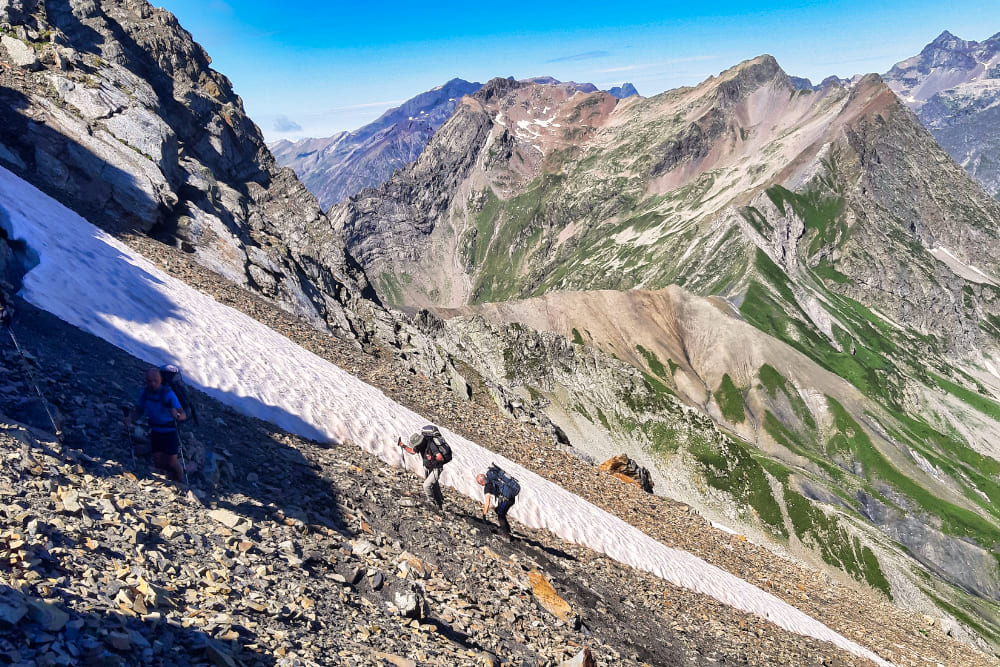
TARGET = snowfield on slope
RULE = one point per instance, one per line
(96, 283)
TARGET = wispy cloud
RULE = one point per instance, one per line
(626, 68)
(672, 61)
(221, 7)
(352, 107)
(286, 124)
(589, 55)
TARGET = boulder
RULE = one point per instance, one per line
(20, 53)
(550, 599)
(628, 470)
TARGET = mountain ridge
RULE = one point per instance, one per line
(830, 221)
(343, 165)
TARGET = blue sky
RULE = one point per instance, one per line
(314, 68)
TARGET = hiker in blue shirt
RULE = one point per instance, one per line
(160, 405)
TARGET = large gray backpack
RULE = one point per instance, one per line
(436, 443)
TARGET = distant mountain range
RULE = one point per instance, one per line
(334, 168)
(953, 86)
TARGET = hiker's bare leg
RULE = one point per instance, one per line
(173, 468)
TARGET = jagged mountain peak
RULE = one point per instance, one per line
(623, 91)
(497, 87)
(954, 87)
(762, 67)
(946, 40)
(736, 83)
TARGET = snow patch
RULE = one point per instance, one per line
(94, 282)
(924, 464)
(723, 527)
(967, 271)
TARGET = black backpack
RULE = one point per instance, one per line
(172, 378)
(506, 485)
(436, 443)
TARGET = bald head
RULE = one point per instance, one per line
(153, 379)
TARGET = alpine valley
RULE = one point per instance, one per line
(784, 302)
(781, 301)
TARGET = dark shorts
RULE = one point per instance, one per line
(165, 443)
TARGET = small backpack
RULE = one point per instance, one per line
(507, 485)
(436, 443)
(172, 378)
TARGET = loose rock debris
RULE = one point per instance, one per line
(291, 552)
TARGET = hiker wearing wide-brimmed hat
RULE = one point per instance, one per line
(435, 453)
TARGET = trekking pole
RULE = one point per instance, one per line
(131, 442)
(31, 376)
(180, 448)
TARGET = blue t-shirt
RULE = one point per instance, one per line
(157, 407)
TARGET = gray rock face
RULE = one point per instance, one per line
(128, 125)
(410, 204)
(343, 165)
(16, 11)
(908, 192)
(623, 91)
(963, 562)
(20, 53)
(953, 85)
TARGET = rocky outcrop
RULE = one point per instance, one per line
(123, 120)
(628, 470)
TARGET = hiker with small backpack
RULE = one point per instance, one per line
(173, 378)
(504, 487)
(435, 452)
(160, 404)
(6, 309)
